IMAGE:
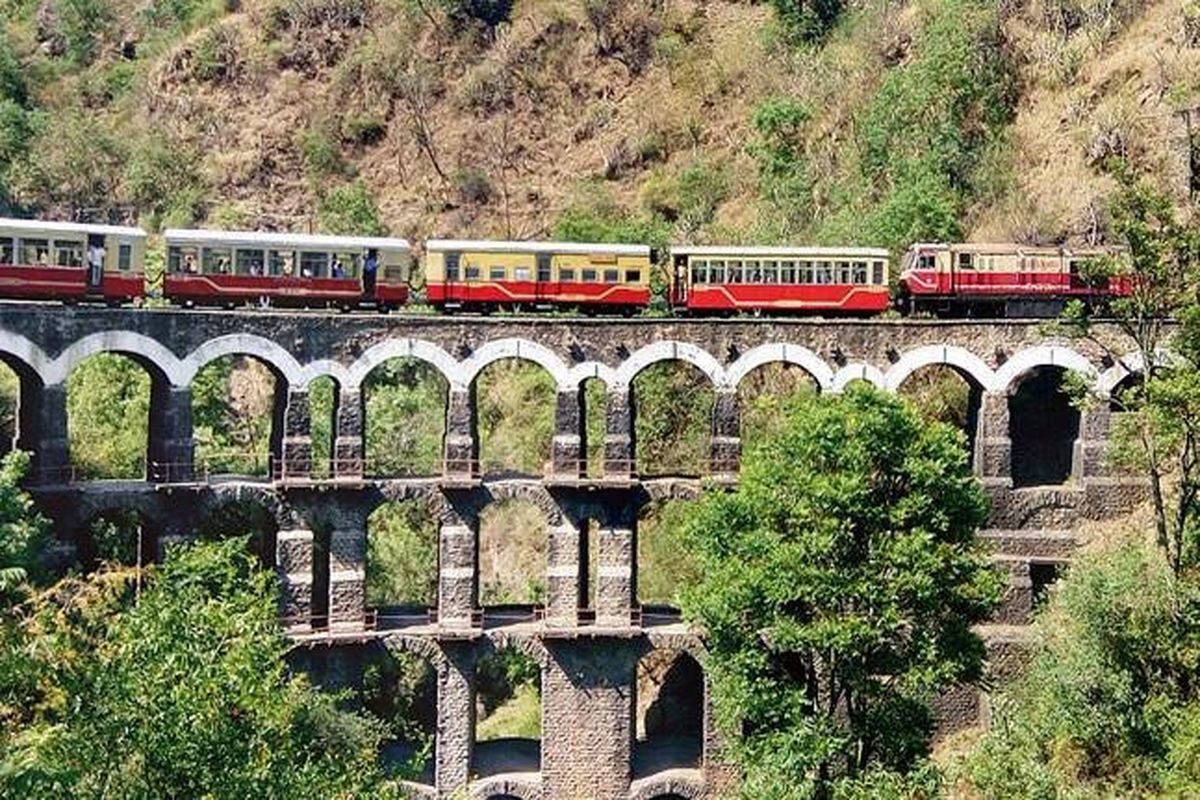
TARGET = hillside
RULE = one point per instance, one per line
(877, 122)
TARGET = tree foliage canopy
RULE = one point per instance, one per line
(838, 587)
(181, 692)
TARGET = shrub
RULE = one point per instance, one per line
(594, 217)
(162, 180)
(625, 30)
(806, 20)
(488, 12)
(217, 56)
(321, 152)
(473, 186)
(778, 146)
(350, 209)
(82, 24)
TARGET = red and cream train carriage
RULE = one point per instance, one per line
(999, 279)
(806, 280)
(70, 261)
(485, 275)
(287, 269)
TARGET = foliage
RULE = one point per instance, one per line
(510, 695)
(512, 554)
(321, 153)
(488, 12)
(405, 418)
(673, 422)
(233, 399)
(108, 417)
(625, 30)
(1159, 432)
(82, 24)
(162, 180)
(838, 585)
(778, 147)
(402, 556)
(22, 529)
(806, 20)
(689, 198)
(664, 562)
(595, 217)
(515, 405)
(350, 209)
(1108, 706)
(107, 680)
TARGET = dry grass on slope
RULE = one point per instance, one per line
(1117, 97)
(471, 133)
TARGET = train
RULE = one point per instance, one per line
(79, 262)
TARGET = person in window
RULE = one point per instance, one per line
(287, 266)
(305, 271)
(223, 265)
(337, 270)
(189, 264)
(370, 268)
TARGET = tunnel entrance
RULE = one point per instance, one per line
(1043, 427)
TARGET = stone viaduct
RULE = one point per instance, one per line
(588, 639)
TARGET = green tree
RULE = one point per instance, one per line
(807, 20)
(778, 146)
(838, 587)
(350, 209)
(1156, 281)
(183, 692)
(22, 529)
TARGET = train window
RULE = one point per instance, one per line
(699, 271)
(787, 271)
(496, 273)
(753, 272)
(733, 272)
(716, 272)
(68, 254)
(314, 265)
(348, 262)
(964, 261)
(860, 272)
(472, 273)
(8, 252)
(566, 274)
(878, 278)
(633, 276)
(36, 251)
(452, 266)
(521, 273)
(770, 272)
(124, 257)
(845, 274)
(216, 260)
(588, 275)
(248, 262)
(543, 268)
(282, 262)
(612, 276)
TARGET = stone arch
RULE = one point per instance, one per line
(522, 350)
(964, 362)
(430, 353)
(505, 789)
(124, 532)
(670, 351)
(797, 355)
(1127, 365)
(402, 422)
(668, 789)
(281, 362)
(512, 549)
(514, 399)
(590, 369)
(1043, 427)
(23, 359)
(324, 368)
(154, 357)
(506, 743)
(1008, 377)
(401, 560)
(23, 355)
(669, 720)
(857, 372)
(213, 516)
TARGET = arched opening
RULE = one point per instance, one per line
(405, 419)
(237, 408)
(400, 688)
(10, 405)
(322, 406)
(508, 713)
(108, 417)
(402, 562)
(664, 563)
(512, 557)
(942, 393)
(762, 395)
(1043, 427)
(515, 403)
(673, 403)
(595, 409)
(120, 536)
(248, 518)
(669, 708)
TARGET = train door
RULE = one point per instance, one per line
(95, 257)
(962, 273)
(679, 282)
(544, 287)
(451, 267)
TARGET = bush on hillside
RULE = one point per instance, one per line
(807, 20)
(350, 210)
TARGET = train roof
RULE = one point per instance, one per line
(780, 252)
(44, 226)
(1007, 248)
(574, 248)
(197, 236)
